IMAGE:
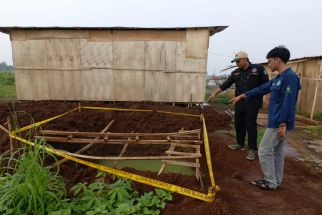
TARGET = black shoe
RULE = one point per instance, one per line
(263, 184)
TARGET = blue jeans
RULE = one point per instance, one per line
(271, 157)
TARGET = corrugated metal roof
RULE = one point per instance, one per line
(305, 59)
(213, 29)
(296, 60)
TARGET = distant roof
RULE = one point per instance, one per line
(213, 29)
(218, 78)
(305, 58)
(296, 60)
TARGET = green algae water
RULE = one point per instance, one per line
(150, 165)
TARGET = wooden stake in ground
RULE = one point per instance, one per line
(7, 131)
(10, 129)
(316, 92)
(122, 152)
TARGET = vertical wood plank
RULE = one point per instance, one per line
(151, 85)
(19, 53)
(167, 86)
(22, 84)
(182, 87)
(129, 85)
(154, 55)
(170, 55)
(98, 85)
(35, 55)
(65, 85)
(128, 55)
(197, 42)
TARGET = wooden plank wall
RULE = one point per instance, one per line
(308, 71)
(127, 65)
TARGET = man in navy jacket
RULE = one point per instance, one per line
(246, 77)
(284, 93)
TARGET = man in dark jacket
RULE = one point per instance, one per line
(246, 77)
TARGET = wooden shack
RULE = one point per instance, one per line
(110, 64)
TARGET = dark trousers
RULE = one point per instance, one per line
(245, 120)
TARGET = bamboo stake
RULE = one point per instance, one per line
(198, 175)
(4, 129)
(172, 147)
(94, 134)
(185, 145)
(85, 147)
(129, 158)
(115, 141)
(113, 136)
(181, 153)
(182, 163)
(122, 152)
(164, 164)
(10, 129)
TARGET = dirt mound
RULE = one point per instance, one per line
(301, 191)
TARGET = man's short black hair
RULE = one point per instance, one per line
(280, 52)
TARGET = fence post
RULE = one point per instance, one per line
(316, 92)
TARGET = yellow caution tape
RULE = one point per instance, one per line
(207, 151)
(170, 187)
(145, 180)
(180, 114)
(114, 109)
(42, 122)
(138, 110)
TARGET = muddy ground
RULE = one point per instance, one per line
(301, 192)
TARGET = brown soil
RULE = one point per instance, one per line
(301, 192)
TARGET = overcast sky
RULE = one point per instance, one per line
(254, 26)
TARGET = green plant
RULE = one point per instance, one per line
(149, 204)
(118, 198)
(26, 186)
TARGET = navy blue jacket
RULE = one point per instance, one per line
(284, 92)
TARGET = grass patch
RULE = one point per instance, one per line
(316, 116)
(7, 85)
(314, 131)
(222, 99)
(26, 186)
(7, 91)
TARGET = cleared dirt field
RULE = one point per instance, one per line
(301, 192)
